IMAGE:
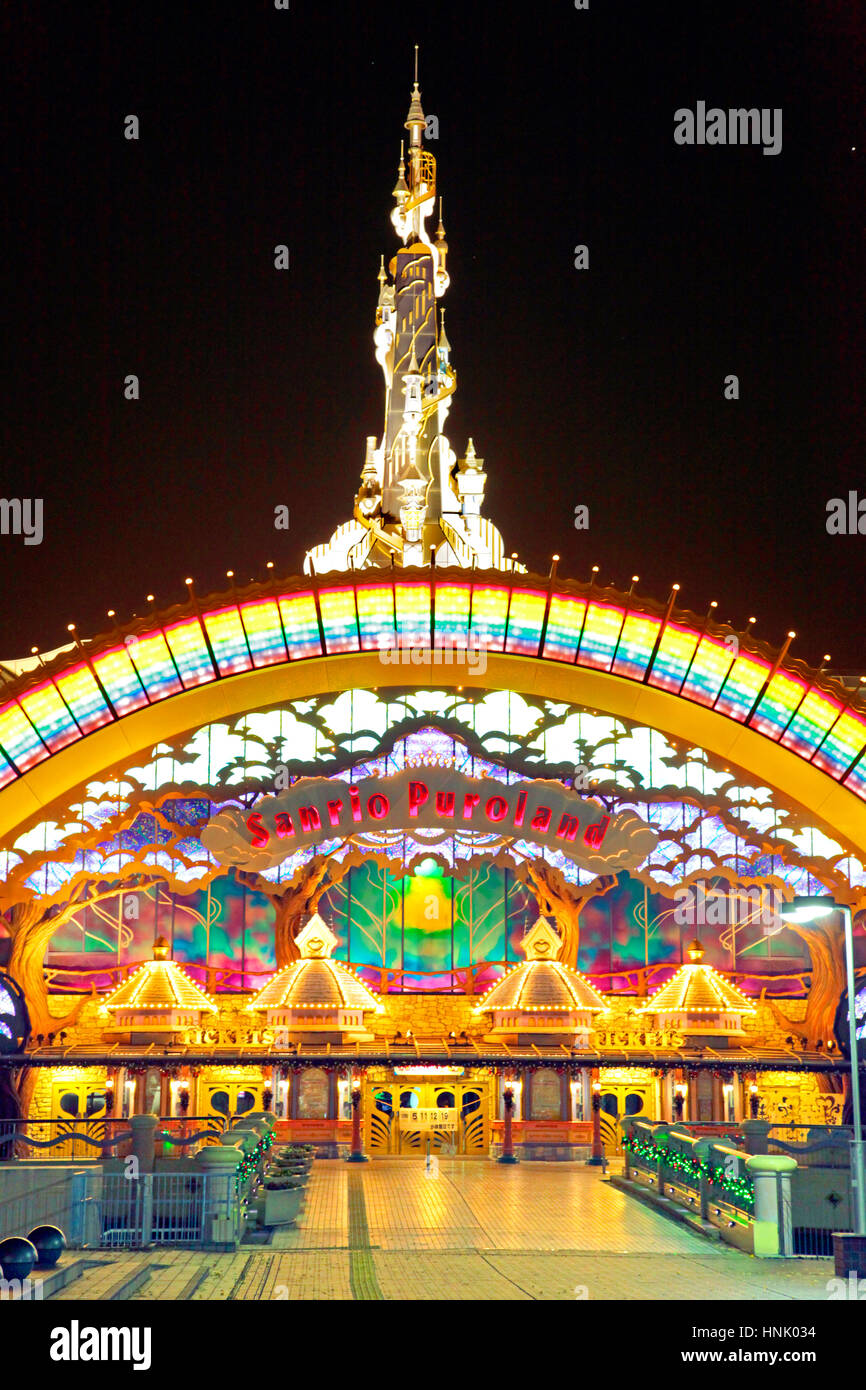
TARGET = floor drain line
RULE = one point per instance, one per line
(362, 1271)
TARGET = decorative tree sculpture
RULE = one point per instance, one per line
(825, 941)
(293, 902)
(561, 900)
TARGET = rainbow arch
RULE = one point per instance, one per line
(799, 730)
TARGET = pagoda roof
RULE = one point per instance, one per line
(315, 983)
(159, 984)
(697, 989)
(542, 985)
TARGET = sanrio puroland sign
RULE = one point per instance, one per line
(318, 809)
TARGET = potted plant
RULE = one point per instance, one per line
(282, 1203)
(298, 1153)
(283, 1170)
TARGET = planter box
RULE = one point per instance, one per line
(281, 1208)
(849, 1254)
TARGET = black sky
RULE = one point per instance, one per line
(602, 387)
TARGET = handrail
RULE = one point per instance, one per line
(180, 1141)
(831, 1142)
(11, 1137)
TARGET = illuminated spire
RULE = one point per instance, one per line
(444, 345)
(414, 499)
(400, 191)
(416, 121)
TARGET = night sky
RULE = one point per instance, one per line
(602, 387)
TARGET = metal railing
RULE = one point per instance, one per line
(164, 1209)
(711, 1185)
(61, 1140)
(73, 979)
(817, 1149)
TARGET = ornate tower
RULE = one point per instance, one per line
(415, 498)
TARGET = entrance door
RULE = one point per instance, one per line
(77, 1108)
(620, 1099)
(470, 1100)
(232, 1099)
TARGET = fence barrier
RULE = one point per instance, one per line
(157, 1208)
(93, 1140)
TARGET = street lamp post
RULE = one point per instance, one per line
(809, 910)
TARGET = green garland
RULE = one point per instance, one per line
(741, 1188)
(250, 1162)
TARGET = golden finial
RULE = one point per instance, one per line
(400, 191)
(441, 243)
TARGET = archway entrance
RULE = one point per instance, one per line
(80, 1109)
(403, 1113)
(232, 1099)
(623, 1095)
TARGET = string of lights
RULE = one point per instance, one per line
(741, 1188)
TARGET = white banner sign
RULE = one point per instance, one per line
(428, 1118)
(317, 809)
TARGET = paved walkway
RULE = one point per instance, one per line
(475, 1231)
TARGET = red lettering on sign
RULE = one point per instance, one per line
(470, 801)
(355, 801)
(258, 830)
(541, 819)
(334, 809)
(496, 808)
(284, 825)
(445, 803)
(596, 833)
(309, 818)
(567, 828)
(418, 794)
(521, 807)
(378, 806)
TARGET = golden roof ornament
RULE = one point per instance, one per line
(441, 243)
(444, 345)
(471, 463)
(400, 191)
(416, 117)
(316, 941)
(541, 942)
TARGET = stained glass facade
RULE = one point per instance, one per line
(452, 907)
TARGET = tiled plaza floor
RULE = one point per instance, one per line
(475, 1231)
